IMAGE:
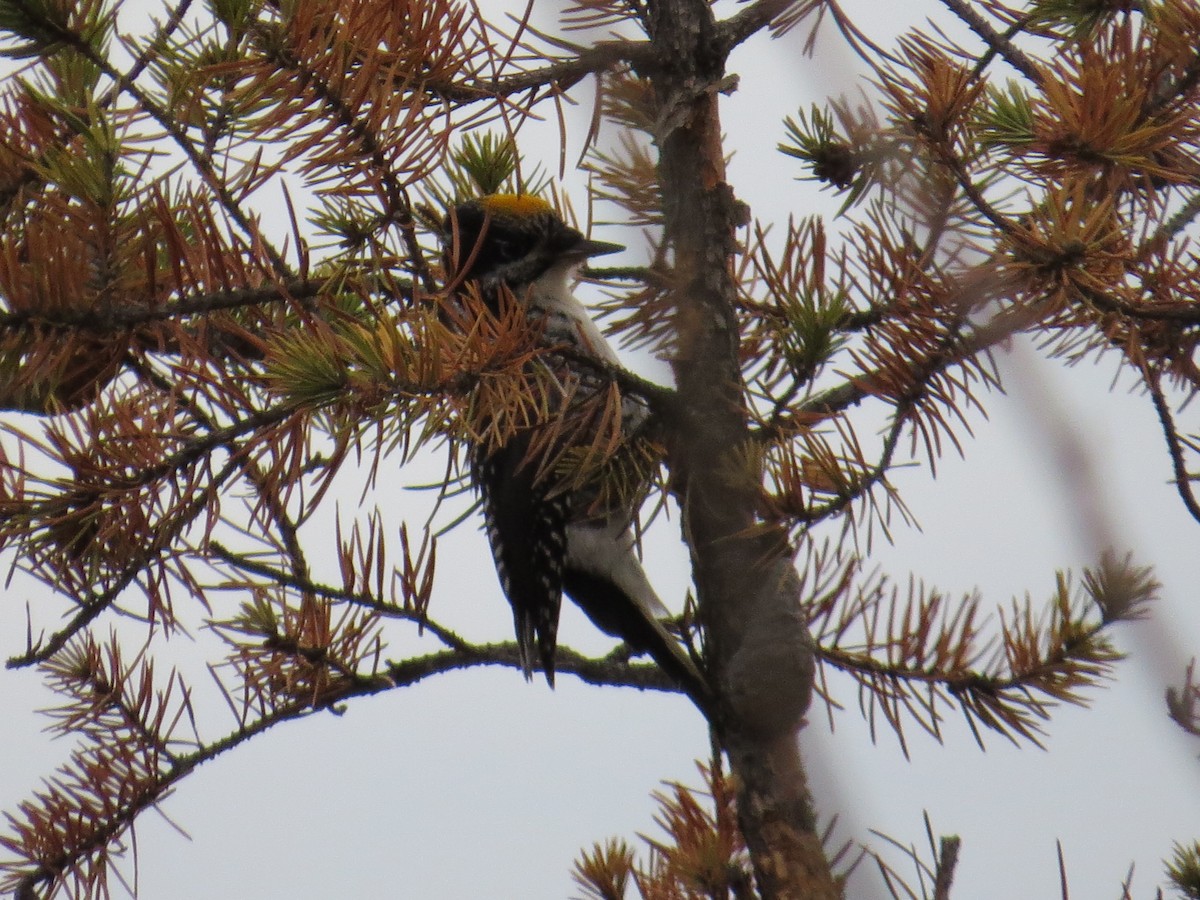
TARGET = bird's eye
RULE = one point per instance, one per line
(507, 249)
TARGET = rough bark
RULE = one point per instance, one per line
(758, 648)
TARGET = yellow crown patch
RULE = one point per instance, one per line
(518, 205)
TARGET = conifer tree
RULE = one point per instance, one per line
(194, 369)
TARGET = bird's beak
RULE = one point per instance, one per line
(588, 248)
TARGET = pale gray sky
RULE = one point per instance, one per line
(477, 784)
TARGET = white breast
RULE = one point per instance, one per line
(567, 320)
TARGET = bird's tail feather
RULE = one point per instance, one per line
(616, 613)
(536, 644)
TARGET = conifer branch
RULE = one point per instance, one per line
(172, 127)
(1175, 446)
(560, 75)
(995, 41)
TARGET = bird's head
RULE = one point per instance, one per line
(513, 239)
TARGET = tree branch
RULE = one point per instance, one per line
(96, 603)
(947, 861)
(753, 18)
(120, 318)
(748, 591)
(125, 84)
(995, 41)
(1182, 478)
(461, 653)
(565, 74)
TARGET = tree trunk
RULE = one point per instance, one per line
(758, 647)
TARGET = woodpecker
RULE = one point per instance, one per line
(548, 537)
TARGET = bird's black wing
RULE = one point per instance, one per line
(527, 531)
(615, 612)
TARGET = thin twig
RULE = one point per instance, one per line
(946, 862)
(91, 607)
(170, 124)
(995, 40)
(1183, 480)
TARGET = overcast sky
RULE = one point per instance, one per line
(478, 784)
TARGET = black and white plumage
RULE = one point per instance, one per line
(548, 538)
